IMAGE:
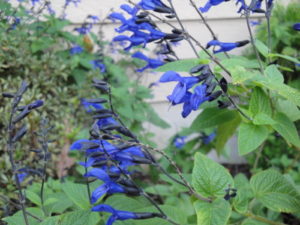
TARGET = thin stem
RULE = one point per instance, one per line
(262, 219)
(142, 192)
(258, 155)
(87, 183)
(183, 29)
(252, 41)
(186, 183)
(10, 149)
(214, 36)
(19, 207)
(267, 15)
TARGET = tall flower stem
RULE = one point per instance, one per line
(11, 149)
(142, 192)
(247, 14)
(183, 29)
(214, 36)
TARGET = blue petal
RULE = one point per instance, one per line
(104, 208)
(170, 76)
(98, 173)
(98, 193)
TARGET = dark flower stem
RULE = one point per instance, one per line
(214, 36)
(183, 29)
(87, 182)
(247, 14)
(6, 199)
(11, 149)
(268, 15)
(142, 192)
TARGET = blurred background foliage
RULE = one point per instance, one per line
(37, 48)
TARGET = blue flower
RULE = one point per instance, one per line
(122, 215)
(224, 46)
(109, 186)
(296, 26)
(200, 95)
(151, 63)
(208, 138)
(98, 64)
(75, 2)
(255, 23)
(76, 50)
(243, 6)
(211, 3)
(181, 90)
(155, 5)
(179, 142)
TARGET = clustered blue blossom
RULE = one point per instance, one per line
(151, 63)
(202, 92)
(109, 159)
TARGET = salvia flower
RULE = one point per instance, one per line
(211, 3)
(296, 26)
(208, 138)
(98, 64)
(151, 63)
(179, 141)
(225, 46)
(75, 2)
(122, 215)
(181, 89)
(76, 50)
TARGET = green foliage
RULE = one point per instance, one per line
(215, 213)
(275, 191)
(209, 178)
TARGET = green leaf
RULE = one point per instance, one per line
(18, 219)
(240, 75)
(287, 129)
(289, 58)
(211, 117)
(53, 220)
(80, 217)
(261, 47)
(209, 178)
(289, 109)
(33, 197)
(274, 74)
(250, 137)
(275, 192)
(77, 193)
(225, 131)
(263, 119)
(244, 193)
(252, 222)
(282, 89)
(215, 213)
(259, 102)
(183, 65)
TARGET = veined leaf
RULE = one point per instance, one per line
(259, 102)
(287, 129)
(211, 117)
(209, 178)
(275, 192)
(215, 213)
(250, 137)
